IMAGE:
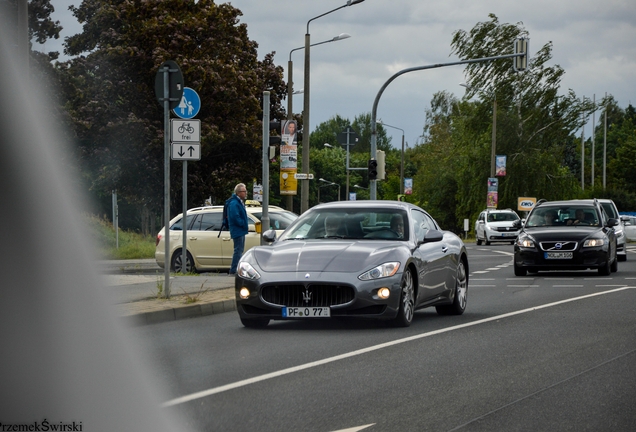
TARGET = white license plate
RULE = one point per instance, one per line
(306, 312)
(508, 235)
(558, 255)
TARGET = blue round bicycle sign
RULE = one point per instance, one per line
(189, 106)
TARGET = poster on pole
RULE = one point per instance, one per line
(500, 166)
(408, 186)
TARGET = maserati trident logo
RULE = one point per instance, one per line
(306, 296)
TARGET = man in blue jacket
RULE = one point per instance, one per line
(237, 219)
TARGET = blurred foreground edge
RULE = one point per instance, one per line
(65, 357)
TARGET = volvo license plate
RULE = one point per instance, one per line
(306, 312)
(558, 255)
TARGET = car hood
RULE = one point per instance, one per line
(327, 256)
(561, 233)
(501, 224)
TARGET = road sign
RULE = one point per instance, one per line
(175, 83)
(303, 176)
(186, 151)
(185, 130)
(526, 203)
(348, 137)
(189, 105)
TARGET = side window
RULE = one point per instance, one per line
(431, 222)
(211, 221)
(178, 225)
(422, 223)
(482, 216)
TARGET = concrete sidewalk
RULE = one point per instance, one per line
(136, 288)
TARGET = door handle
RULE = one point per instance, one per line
(444, 249)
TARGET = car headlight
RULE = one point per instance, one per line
(594, 242)
(246, 271)
(525, 242)
(381, 271)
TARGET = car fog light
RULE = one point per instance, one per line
(384, 293)
(244, 293)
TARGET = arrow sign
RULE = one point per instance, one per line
(186, 151)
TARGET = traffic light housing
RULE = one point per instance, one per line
(373, 169)
(381, 156)
(521, 46)
(274, 126)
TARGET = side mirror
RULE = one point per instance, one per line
(269, 236)
(432, 236)
(612, 222)
(517, 223)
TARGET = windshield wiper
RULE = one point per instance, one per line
(295, 238)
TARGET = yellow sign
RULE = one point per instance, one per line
(525, 203)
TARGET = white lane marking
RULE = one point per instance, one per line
(356, 428)
(504, 252)
(254, 380)
(479, 272)
(522, 286)
(493, 268)
(567, 286)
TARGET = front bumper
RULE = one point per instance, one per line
(344, 294)
(582, 259)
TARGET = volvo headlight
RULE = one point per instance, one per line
(381, 271)
(594, 242)
(246, 271)
(525, 242)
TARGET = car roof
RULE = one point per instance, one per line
(567, 203)
(370, 204)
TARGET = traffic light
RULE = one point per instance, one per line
(373, 169)
(521, 62)
(274, 126)
(381, 164)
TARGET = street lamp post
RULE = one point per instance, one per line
(329, 184)
(493, 147)
(304, 190)
(290, 87)
(402, 158)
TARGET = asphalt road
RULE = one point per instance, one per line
(555, 351)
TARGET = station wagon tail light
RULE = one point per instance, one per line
(157, 240)
(593, 242)
(381, 271)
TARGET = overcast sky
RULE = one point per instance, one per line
(592, 40)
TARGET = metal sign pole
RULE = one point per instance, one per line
(184, 219)
(166, 178)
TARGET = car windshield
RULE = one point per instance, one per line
(278, 219)
(563, 216)
(502, 217)
(329, 223)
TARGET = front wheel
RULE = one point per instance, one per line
(461, 294)
(407, 301)
(519, 271)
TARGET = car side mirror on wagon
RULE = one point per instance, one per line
(612, 222)
(517, 223)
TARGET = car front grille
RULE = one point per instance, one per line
(310, 295)
(557, 246)
(505, 229)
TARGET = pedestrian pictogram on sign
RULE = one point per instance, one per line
(190, 104)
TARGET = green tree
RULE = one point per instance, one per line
(535, 127)
(119, 123)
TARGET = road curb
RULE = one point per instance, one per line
(179, 313)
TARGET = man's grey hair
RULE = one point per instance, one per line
(240, 186)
